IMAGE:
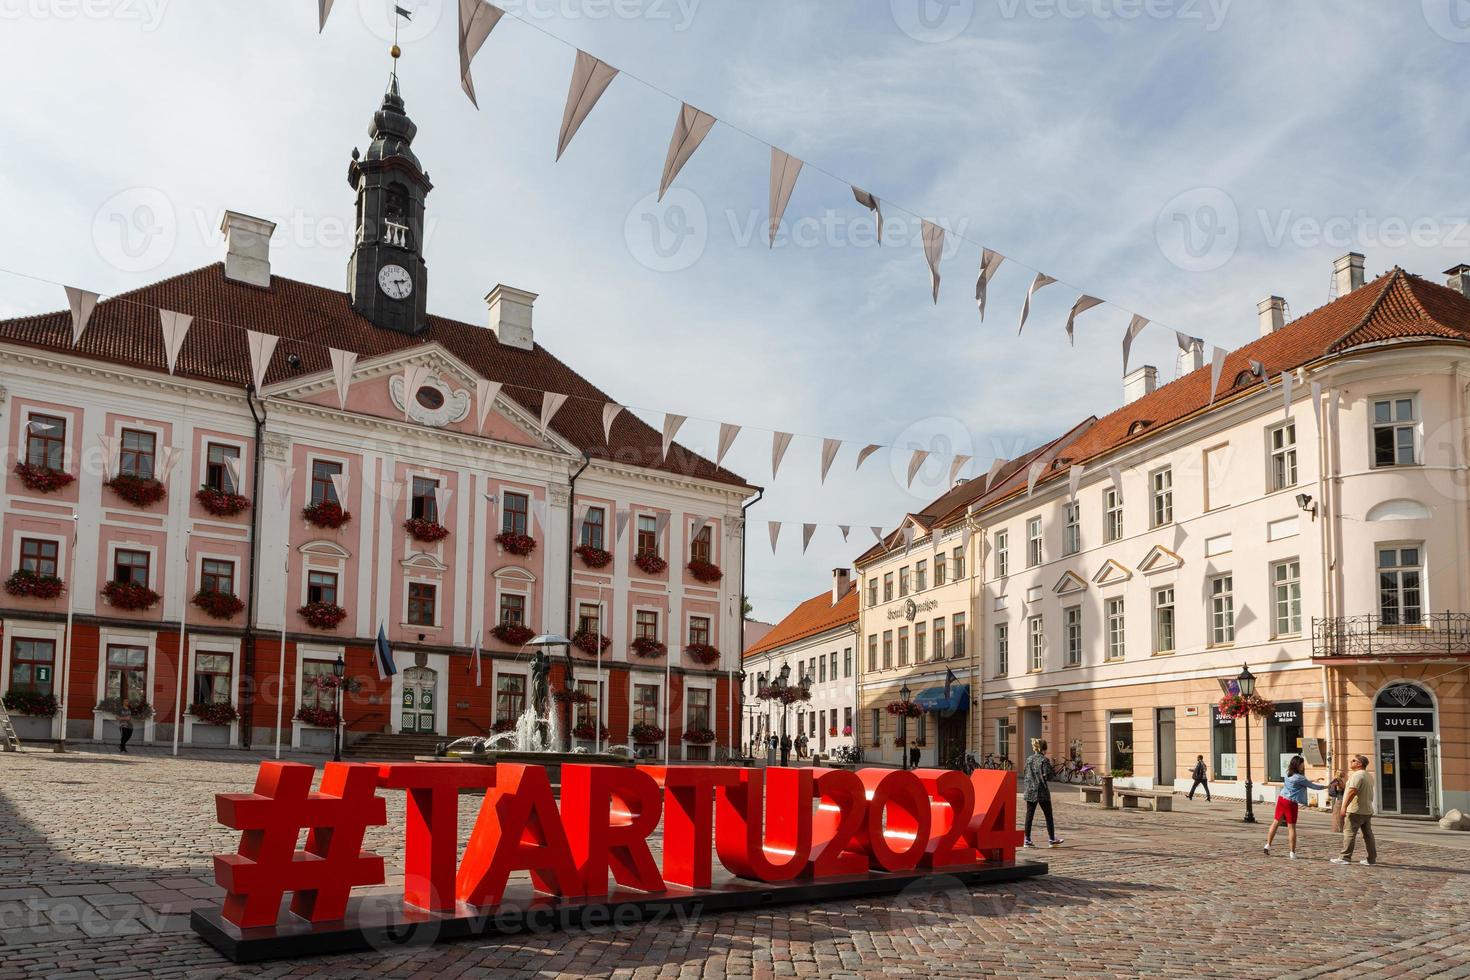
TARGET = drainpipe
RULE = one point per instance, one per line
(1324, 456)
(247, 670)
(744, 536)
(571, 543)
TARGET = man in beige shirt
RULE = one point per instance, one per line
(1357, 805)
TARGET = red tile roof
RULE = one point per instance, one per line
(310, 319)
(816, 615)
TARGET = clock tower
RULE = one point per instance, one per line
(387, 276)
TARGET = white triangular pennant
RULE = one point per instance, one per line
(956, 466)
(1115, 474)
(660, 524)
(82, 303)
(1135, 327)
(109, 455)
(916, 461)
(262, 346)
(829, 453)
(342, 485)
(671, 428)
(872, 204)
(442, 497)
(168, 458)
(774, 528)
(785, 168)
(232, 466)
(907, 533)
(696, 525)
(485, 394)
(323, 10)
(807, 530)
(863, 454)
(551, 403)
(414, 376)
(175, 327)
(1286, 394)
(610, 413)
(989, 262)
(728, 432)
(538, 514)
(590, 78)
(392, 491)
(690, 129)
(1083, 304)
(877, 533)
(1034, 473)
(1041, 281)
(1074, 480)
(284, 475)
(343, 363)
(1217, 367)
(621, 518)
(995, 469)
(779, 442)
(476, 20)
(933, 236)
(845, 529)
(1317, 406)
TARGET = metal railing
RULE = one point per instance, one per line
(1371, 636)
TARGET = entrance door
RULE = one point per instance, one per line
(1413, 766)
(1030, 728)
(1406, 720)
(1165, 767)
(417, 714)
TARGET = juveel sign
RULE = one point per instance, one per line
(791, 827)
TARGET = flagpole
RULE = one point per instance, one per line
(179, 664)
(597, 723)
(63, 683)
(668, 688)
(281, 670)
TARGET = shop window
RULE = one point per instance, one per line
(1120, 741)
(1224, 764)
(1283, 738)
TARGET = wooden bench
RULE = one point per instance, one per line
(1159, 800)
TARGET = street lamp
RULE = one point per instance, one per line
(1247, 682)
(744, 710)
(903, 725)
(339, 671)
(779, 688)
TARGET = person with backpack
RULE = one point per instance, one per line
(1035, 778)
(1201, 775)
(1293, 796)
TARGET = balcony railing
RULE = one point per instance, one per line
(1369, 636)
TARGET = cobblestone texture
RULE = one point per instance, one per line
(102, 857)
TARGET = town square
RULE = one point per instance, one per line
(909, 488)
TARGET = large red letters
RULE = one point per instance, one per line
(430, 842)
(689, 819)
(766, 836)
(519, 829)
(619, 844)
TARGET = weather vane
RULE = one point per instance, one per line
(396, 51)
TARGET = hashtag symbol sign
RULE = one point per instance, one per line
(271, 819)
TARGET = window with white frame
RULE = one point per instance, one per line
(1002, 554)
(1071, 528)
(1395, 431)
(872, 590)
(1400, 585)
(515, 513)
(423, 504)
(512, 608)
(46, 442)
(510, 697)
(321, 587)
(323, 490)
(699, 630)
(921, 576)
(211, 677)
(647, 543)
(887, 586)
(903, 581)
(1112, 514)
(40, 556)
(1034, 644)
(589, 618)
(1286, 597)
(1033, 542)
(1002, 649)
(1161, 497)
(872, 652)
(887, 649)
(957, 561)
(940, 567)
(645, 705)
(1282, 442)
(127, 673)
(1116, 634)
(136, 453)
(1164, 620)
(957, 623)
(921, 641)
(594, 527)
(1072, 634)
(903, 646)
(222, 462)
(1222, 610)
(939, 639)
(422, 603)
(645, 624)
(316, 676)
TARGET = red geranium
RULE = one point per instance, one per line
(423, 530)
(705, 571)
(220, 605)
(1238, 706)
(646, 734)
(326, 513)
(503, 725)
(586, 732)
(571, 697)
(222, 504)
(699, 736)
(591, 643)
(650, 562)
(130, 595)
(321, 717)
(516, 544)
(906, 708)
(513, 634)
(645, 646)
(703, 653)
(593, 557)
(214, 712)
(137, 490)
(42, 479)
(322, 615)
(27, 584)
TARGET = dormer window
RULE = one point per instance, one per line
(1244, 378)
(1139, 425)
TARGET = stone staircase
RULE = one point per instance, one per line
(391, 747)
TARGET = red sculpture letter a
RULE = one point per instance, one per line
(612, 811)
(518, 829)
(744, 846)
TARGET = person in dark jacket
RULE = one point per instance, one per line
(1201, 775)
(1035, 776)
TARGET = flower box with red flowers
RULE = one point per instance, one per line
(705, 571)
(645, 646)
(130, 596)
(1238, 706)
(213, 712)
(513, 634)
(220, 605)
(907, 709)
(31, 703)
(426, 531)
(331, 684)
(899, 741)
(42, 479)
(26, 584)
(847, 730)
(322, 615)
(222, 504)
(571, 697)
(920, 743)
(699, 736)
(139, 709)
(646, 734)
(593, 557)
(703, 653)
(832, 732)
(320, 717)
(325, 513)
(139, 491)
(650, 563)
(502, 726)
(591, 643)
(516, 544)
(586, 732)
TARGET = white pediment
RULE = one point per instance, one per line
(423, 561)
(1159, 559)
(512, 573)
(324, 549)
(1069, 583)
(1111, 573)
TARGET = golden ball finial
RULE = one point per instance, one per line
(396, 51)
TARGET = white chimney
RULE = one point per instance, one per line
(247, 248)
(1192, 359)
(1272, 313)
(1139, 382)
(1458, 279)
(510, 316)
(841, 579)
(1347, 272)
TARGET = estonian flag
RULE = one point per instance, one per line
(949, 678)
(476, 665)
(384, 656)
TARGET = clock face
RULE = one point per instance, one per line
(395, 281)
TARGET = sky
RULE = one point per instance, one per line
(1181, 159)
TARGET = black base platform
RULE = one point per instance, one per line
(378, 921)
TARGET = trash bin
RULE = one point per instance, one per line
(1107, 792)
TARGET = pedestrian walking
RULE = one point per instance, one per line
(1334, 797)
(1035, 786)
(1201, 776)
(1293, 796)
(124, 717)
(1357, 808)
(914, 757)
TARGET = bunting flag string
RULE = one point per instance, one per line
(476, 20)
(863, 455)
(1083, 304)
(551, 403)
(81, 302)
(959, 463)
(933, 236)
(728, 432)
(1217, 367)
(872, 204)
(175, 327)
(915, 462)
(262, 348)
(168, 458)
(109, 455)
(774, 527)
(1285, 395)
(1041, 281)
(807, 530)
(343, 364)
(690, 129)
(785, 168)
(1115, 474)
(284, 475)
(485, 394)
(1074, 480)
(324, 10)
(1135, 327)
(590, 78)
(829, 453)
(342, 486)
(779, 442)
(671, 428)
(989, 264)
(610, 412)
(995, 469)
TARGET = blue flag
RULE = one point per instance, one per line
(384, 656)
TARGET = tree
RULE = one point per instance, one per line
(748, 608)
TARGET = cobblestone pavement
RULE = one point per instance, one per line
(102, 857)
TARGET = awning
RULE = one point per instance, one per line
(935, 699)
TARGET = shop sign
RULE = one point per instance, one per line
(1405, 721)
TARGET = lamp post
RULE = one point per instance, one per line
(339, 671)
(903, 725)
(1247, 682)
(780, 689)
(740, 738)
